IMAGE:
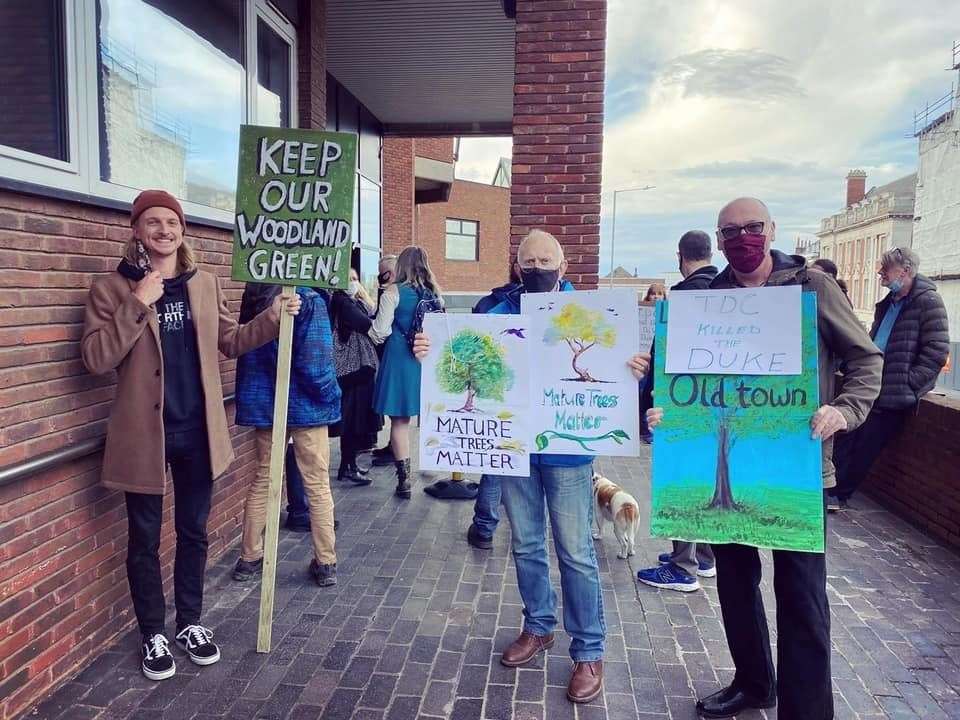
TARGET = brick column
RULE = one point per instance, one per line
(312, 64)
(397, 224)
(558, 128)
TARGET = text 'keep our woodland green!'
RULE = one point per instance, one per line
(294, 207)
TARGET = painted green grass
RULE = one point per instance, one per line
(768, 517)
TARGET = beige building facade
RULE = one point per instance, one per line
(858, 235)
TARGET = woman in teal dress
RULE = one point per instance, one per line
(397, 390)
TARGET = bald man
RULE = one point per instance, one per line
(559, 486)
(801, 686)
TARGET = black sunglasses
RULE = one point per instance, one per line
(732, 232)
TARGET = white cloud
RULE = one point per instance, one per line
(479, 157)
(708, 100)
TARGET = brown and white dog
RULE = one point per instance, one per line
(614, 504)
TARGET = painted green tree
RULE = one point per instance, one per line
(780, 397)
(474, 363)
(581, 329)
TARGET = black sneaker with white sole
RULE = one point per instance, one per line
(196, 641)
(157, 661)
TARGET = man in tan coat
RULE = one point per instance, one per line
(801, 685)
(159, 321)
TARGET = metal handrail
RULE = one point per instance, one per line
(54, 458)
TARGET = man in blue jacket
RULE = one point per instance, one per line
(314, 404)
(560, 485)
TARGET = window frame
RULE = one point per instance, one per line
(40, 169)
(446, 238)
(81, 172)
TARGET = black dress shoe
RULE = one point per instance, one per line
(477, 540)
(730, 701)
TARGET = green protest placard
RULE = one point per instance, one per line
(733, 459)
(294, 214)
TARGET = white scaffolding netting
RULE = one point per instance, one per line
(936, 236)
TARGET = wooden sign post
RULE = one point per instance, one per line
(294, 227)
(278, 452)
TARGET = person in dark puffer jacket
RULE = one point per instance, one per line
(910, 327)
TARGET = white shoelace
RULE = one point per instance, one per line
(157, 647)
(195, 635)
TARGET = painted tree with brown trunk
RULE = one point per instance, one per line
(581, 329)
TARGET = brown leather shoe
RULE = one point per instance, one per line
(586, 681)
(525, 648)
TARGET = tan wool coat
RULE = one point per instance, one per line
(121, 333)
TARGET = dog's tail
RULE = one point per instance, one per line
(629, 513)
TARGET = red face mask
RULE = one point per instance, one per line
(746, 252)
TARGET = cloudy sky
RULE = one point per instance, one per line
(710, 99)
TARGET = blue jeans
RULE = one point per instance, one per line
(298, 512)
(486, 510)
(566, 494)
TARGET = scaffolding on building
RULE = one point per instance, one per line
(934, 116)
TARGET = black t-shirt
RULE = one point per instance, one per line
(182, 388)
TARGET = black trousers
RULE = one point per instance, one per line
(855, 452)
(189, 459)
(803, 626)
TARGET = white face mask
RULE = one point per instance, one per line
(353, 287)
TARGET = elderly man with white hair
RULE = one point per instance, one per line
(910, 328)
(559, 486)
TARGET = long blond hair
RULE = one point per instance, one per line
(186, 257)
(413, 268)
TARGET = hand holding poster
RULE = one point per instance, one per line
(294, 207)
(584, 398)
(733, 458)
(474, 398)
(753, 331)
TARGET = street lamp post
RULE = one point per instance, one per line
(613, 230)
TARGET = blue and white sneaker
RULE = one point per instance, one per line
(704, 570)
(668, 577)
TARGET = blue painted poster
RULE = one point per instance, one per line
(733, 459)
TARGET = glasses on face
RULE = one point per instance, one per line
(732, 232)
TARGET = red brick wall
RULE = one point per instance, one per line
(469, 201)
(558, 128)
(435, 148)
(62, 536)
(63, 589)
(312, 64)
(916, 476)
(397, 164)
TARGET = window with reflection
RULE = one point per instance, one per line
(273, 77)
(171, 96)
(33, 104)
(462, 239)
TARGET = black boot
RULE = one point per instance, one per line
(403, 478)
(358, 477)
(383, 456)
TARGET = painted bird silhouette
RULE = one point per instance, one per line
(514, 331)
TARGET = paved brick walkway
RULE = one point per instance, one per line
(414, 628)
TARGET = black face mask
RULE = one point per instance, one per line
(539, 280)
(383, 277)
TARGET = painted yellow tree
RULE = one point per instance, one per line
(581, 329)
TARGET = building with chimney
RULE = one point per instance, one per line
(936, 230)
(872, 222)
